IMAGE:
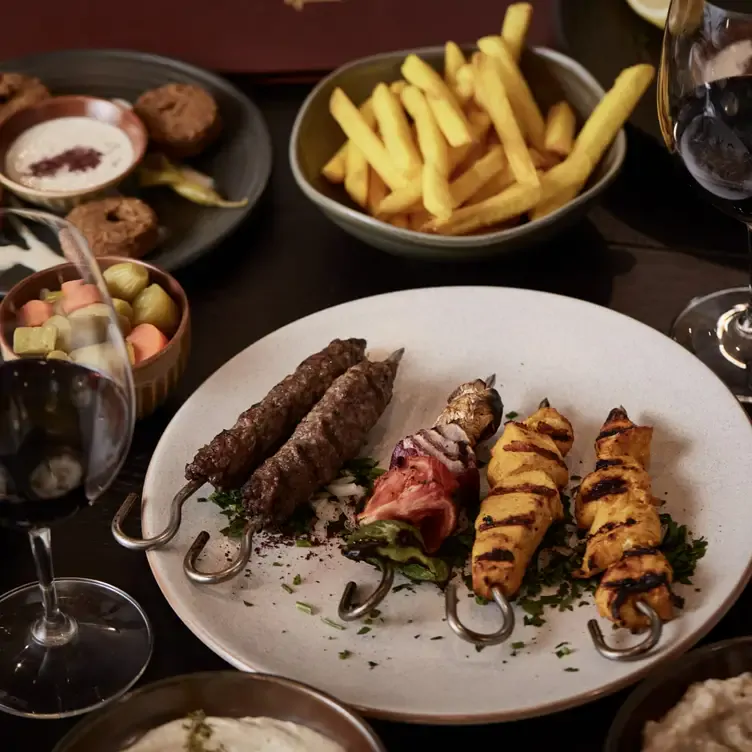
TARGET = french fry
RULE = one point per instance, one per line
(476, 176)
(520, 97)
(560, 127)
(463, 85)
(397, 87)
(449, 115)
(515, 200)
(453, 61)
(437, 197)
(395, 130)
(356, 176)
(377, 191)
(543, 160)
(600, 129)
(610, 114)
(334, 169)
(357, 130)
(406, 199)
(562, 183)
(417, 219)
(400, 220)
(431, 141)
(493, 187)
(514, 29)
(493, 98)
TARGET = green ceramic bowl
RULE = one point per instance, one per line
(316, 136)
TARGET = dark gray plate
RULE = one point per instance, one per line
(608, 36)
(240, 161)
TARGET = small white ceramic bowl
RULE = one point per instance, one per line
(70, 106)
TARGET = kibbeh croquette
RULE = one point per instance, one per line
(182, 119)
(18, 92)
(117, 226)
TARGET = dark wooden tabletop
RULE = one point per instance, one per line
(645, 251)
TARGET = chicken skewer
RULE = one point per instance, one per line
(415, 505)
(526, 474)
(331, 434)
(616, 506)
(232, 455)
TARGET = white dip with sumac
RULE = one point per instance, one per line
(713, 716)
(69, 154)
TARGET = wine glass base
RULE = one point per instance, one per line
(709, 328)
(106, 656)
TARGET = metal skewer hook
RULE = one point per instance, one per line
(634, 651)
(233, 569)
(348, 612)
(173, 525)
(478, 638)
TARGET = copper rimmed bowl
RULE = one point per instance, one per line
(155, 377)
(227, 694)
(53, 108)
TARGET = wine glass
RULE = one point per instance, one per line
(705, 113)
(67, 645)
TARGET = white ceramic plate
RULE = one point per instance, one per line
(586, 360)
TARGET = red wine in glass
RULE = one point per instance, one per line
(67, 645)
(713, 137)
(62, 427)
(705, 114)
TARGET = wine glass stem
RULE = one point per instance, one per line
(53, 627)
(744, 321)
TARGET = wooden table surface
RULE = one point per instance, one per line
(645, 251)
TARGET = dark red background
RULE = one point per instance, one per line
(255, 36)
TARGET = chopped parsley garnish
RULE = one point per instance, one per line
(564, 650)
(438, 637)
(518, 645)
(372, 664)
(277, 564)
(571, 669)
(333, 624)
(230, 504)
(363, 470)
(306, 608)
(247, 603)
(287, 588)
(199, 733)
(682, 550)
(487, 519)
(364, 630)
(344, 654)
(481, 601)
(297, 579)
(375, 614)
(511, 415)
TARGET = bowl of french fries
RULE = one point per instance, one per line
(462, 152)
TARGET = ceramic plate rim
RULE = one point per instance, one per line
(682, 644)
(263, 161)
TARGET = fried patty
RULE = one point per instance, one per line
(182, 119)
(18, 92)
(117, 226)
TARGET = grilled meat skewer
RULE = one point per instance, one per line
(526, 473)
(434, 471)
(332, 433)
(229, 458)
(616, 504)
